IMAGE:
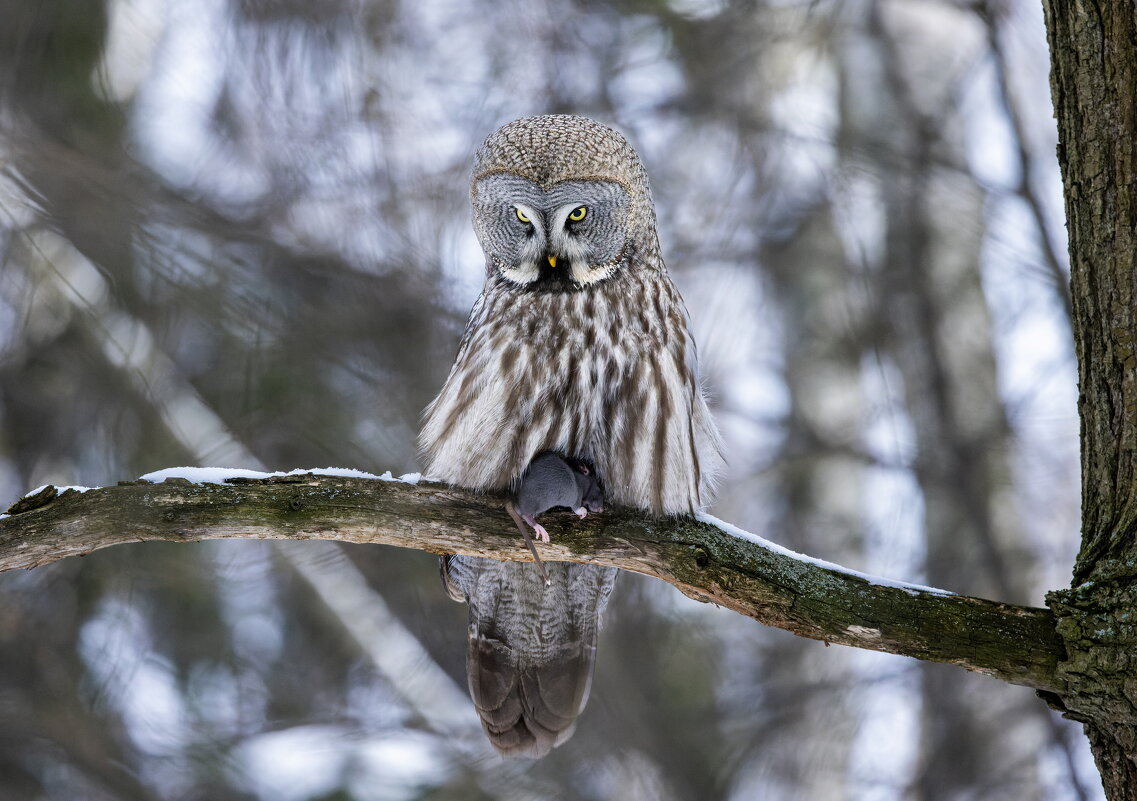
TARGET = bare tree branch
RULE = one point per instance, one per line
(1015, 644)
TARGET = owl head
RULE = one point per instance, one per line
(561, 203)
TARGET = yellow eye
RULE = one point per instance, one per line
(521, 215)
(577, 214)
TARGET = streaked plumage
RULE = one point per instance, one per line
(592, 359)
(578, 345)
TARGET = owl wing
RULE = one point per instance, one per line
(531, 648)
(659, 448)
(464, 438)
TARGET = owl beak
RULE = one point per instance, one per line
(552, 261)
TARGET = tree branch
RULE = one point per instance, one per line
(1015, 644)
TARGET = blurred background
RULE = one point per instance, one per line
(236, 233)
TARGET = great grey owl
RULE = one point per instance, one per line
(578, 345)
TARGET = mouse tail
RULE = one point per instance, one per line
(528, 540)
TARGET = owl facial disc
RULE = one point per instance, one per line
(568, 236)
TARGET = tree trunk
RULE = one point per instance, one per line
(1093, 50)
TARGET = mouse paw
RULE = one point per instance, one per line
(581, 512)
(539, 530)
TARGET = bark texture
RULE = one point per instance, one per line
(1016, 644)
(1093, 48)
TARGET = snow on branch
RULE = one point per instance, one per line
(704, 557)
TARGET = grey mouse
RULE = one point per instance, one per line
(551, 481)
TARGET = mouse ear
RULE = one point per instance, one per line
(580, 466)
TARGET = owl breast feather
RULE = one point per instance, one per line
(605, 374)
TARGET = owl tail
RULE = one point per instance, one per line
(531, 647)
(528, 710)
